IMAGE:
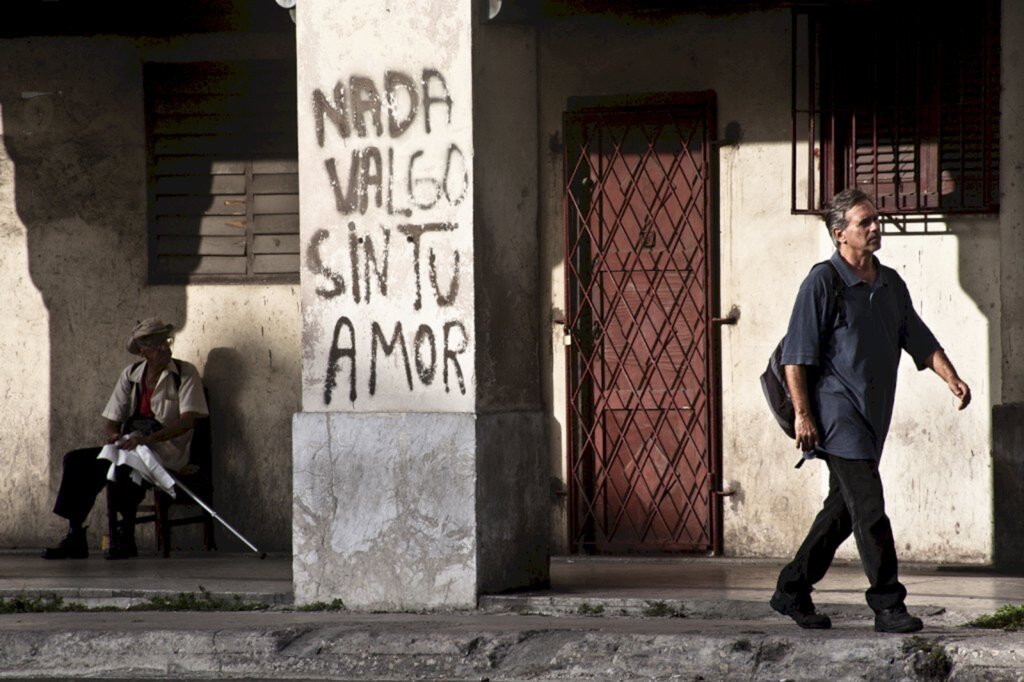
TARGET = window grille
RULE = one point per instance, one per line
(901, 101)
(223, 172)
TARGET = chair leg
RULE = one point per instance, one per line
(111, 516)
(163, 527)
(209, 543)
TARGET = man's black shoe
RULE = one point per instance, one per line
(118, 552)
(801, 609)
(897, 619)
(73, 546)
(123, 545)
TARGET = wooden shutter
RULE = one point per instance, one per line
(906, 99)
(223, 171)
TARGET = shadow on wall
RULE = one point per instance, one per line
(79, 153)
(976, 266)
(978, 245)
(225, 378)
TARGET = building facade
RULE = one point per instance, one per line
(476, 283)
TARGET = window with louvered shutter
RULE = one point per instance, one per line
(900, 100)
(223, 184)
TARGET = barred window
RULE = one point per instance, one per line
(900, 100)
(223, 172)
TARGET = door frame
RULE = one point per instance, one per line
(707, 101)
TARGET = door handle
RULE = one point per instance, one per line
(731, 318)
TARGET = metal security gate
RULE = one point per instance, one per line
(641, 418)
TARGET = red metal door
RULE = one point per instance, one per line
(640, 368)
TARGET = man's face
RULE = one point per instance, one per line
(156, 350)
(863, 234)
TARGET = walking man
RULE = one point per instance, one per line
(852, 319)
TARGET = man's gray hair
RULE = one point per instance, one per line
(835, 212)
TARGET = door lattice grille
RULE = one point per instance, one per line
(637, 255)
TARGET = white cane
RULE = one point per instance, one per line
(209, 510)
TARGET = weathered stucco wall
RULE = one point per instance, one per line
(24, 377)
(513, 482)
(425, 348)
(385, 174)
(937, 465)
(1008, 444)
(385, 135)
(73, 231)
(72, 245)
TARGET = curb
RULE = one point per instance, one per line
(380, 648)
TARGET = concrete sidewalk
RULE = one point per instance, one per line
(602, 619)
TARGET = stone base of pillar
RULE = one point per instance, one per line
(404, 511)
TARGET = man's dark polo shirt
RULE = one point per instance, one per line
(854, 394)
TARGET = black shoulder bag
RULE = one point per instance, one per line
(773, 380)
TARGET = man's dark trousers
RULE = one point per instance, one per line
(855, 504)
(84, 477)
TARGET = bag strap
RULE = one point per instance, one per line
(134, 396)
(838, 315)
(837, 299)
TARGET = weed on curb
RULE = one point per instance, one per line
(334, 605)
(204, 601)
(185, 601)
(47, 603)
(189, 601)
(1007, 617)
(586, 609)
(660, 609)
(930, 660)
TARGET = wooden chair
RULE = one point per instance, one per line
(198, 476)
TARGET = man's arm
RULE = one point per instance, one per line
(175, 428)
(940, 364)
(112, 430)
(807, 437)
(172, 429)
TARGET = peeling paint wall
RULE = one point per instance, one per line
(382, 518)
(1008, 371)
(24, 377)
(387, 210)
(385, 448)
(419, 458)
(73, 251)
(938, 464)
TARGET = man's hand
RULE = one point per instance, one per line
(113, 431)
(961, 390)
(132, 442)
(807, 437)
(940, 364)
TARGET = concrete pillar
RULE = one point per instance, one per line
(1011, 200)
(1008, 376)
(419, 477)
